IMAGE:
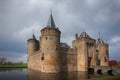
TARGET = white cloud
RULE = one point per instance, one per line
(115, 39)
(40, 3)
(19, 18)
(26, 32)
(92, 3)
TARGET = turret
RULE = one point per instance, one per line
(50, 45)
(33, 45)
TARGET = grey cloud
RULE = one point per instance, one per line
(14, 56)
(71, 16)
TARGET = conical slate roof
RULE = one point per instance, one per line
(33, 37)
(51, 23)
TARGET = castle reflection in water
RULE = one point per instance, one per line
(37, 75)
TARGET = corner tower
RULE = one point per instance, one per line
(33, 45)
(86, 56)
(50, 46)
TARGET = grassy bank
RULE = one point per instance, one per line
(14, 65)
(108, 78)
(117, 77)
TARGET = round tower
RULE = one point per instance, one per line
(50, 43)
(33, 45)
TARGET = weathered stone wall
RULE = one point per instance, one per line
(63, 53)
(102, 50)
(92, 56)
(51, 63)
(75, 43)
(103, 54)
(82, 56)
(34, 61)
(72, 60)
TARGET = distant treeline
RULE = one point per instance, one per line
(7, 64)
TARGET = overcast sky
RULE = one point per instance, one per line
(18, 18)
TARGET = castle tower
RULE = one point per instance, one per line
(102, 50)
(50, 45)
(86, 56)
(33, 45)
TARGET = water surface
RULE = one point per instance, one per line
(14, 74)
(25, 74)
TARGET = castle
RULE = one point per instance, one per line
(49, 55)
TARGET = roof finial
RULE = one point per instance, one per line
(51, 11)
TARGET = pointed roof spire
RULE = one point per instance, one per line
(51, 23)
(33, 37)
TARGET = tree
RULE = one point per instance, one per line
(3, 60)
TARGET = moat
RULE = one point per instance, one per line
(25, 74)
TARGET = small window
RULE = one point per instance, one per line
(46, 38)
(105, 59)
(42, 58)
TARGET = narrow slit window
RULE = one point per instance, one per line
(42, 57)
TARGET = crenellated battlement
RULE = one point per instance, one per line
(50, 31)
